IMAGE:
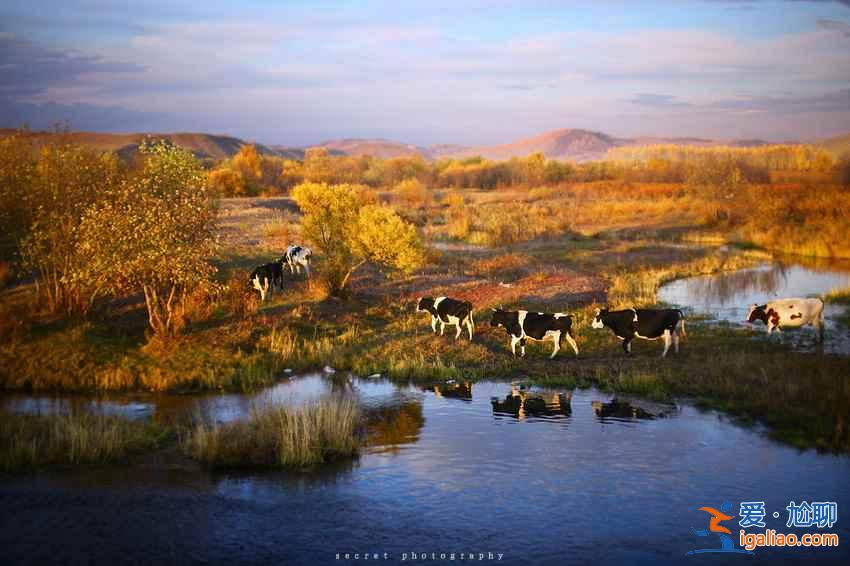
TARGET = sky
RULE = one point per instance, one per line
(461, 71)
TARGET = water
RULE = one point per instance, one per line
(728, 296)
(542, 475)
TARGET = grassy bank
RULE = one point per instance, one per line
(279, 437)
(31, 442)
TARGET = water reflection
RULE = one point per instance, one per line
(630, 409)
(393, 425)
(492, 469)
(521, 404)
(452, 390)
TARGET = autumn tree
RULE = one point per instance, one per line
(154, 235)
(64, 181)
(350, 229)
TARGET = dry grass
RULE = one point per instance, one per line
(30, 442)
(279, 436)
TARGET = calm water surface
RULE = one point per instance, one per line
(543, 476)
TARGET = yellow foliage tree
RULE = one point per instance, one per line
(350, 230)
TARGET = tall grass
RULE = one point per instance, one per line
(29, 442)
(279, 436)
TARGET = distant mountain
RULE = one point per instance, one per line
(583, 145)
(838, 146)
(565, 144)
(126, 145)
(374, 147)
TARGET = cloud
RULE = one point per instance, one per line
(81, 117)
(657, 100)
(832, 102)
(835, 25)
(30, 69)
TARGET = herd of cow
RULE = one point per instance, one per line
(521, 325)
(627, 324)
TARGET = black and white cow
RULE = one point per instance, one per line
(297, 258)
(448, 311)
(538, 326)
(649, 324)
(789, 313)
(265, 277)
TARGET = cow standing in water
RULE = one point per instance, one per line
(649, 324)
(448, 311)
(790, 313)
(538, 326)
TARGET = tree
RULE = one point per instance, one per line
(317, 166)
(66, 180)
(349, 231)
(154, 235)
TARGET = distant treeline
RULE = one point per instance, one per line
(250, 173)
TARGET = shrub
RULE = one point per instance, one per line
(349, 231)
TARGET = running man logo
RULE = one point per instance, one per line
(714, 527)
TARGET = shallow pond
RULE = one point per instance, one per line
(540, 475)
(728, 296)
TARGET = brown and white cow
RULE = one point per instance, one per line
(789, 313)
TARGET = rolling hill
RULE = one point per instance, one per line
(837, 146)
(126, 145)
(565, 144)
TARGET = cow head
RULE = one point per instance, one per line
(308, 254)
(757, 313)
(597, 318)
(500, 318)
(424, 303)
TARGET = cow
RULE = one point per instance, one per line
(297, 258)
(790, 313)
(523, 325)
(649, 324)
(448, 311)
(265, 277)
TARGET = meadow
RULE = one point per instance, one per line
(527, 233)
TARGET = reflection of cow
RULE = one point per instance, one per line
(789, 313)
(520, 404)
(452, 390)
(619, 410)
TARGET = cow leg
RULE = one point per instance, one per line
(572, 342)
(514, 340)
(307, 271)
(627, 344)
(433, 324)
(675, 341)
(556, 338)
(442, 327)
(468, 323)
(459, 329)
(522, 346)
(667, 340)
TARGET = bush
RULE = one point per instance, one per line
(349, 231)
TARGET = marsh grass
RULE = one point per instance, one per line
(277, 436)
(29, 442)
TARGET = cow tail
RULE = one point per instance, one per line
(682, 332)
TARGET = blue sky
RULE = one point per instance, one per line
(469, 72)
